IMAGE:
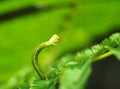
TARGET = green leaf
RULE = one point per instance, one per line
(18, 79)
(75, 76)
(116, 52)
(35, 83)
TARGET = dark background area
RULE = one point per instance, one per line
(105, 74)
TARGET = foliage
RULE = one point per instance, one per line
(76, 71)
(26, 23)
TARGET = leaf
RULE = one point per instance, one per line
(18, 79)
(75, 76)
(35, 83)
(115, 40)
(115, 51)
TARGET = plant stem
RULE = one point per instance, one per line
(107, 54)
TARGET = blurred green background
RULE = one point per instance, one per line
(26, 23)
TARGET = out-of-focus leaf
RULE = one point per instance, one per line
(21, 4)
(35, 83)
(75, 76)
(38, 84)
(17, 79)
